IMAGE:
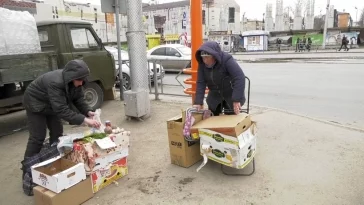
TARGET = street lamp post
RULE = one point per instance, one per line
(326, 22)
(356, 18)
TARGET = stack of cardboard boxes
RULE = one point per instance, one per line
(74, 177)
(227, 139)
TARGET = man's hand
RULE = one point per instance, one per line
(91, 114)
(237, 107)
(198, 107)
(92, 123)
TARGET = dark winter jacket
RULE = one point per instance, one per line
(54, 92)
(225, 80)
(345, 40)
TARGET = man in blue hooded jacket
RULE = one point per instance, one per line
(224, 78)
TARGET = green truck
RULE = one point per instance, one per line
(61, 41)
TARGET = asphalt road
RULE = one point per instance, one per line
(329, 90)
(326, 90)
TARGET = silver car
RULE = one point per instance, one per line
(173, 57)
(126, 69)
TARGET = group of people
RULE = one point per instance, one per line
(303, 44)
(48, 99)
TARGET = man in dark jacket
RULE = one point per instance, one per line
(224, 78)
(47, 100)
(344, 43)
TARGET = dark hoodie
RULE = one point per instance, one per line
(54, 92)
(225, 80)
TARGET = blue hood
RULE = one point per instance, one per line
(212, 48)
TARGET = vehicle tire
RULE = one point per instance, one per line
(126, 81)
(94, 95)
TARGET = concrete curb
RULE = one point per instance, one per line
(291, 53)
(262, 59)
(267, 109)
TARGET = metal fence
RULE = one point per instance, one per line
(156, 86)
(156, 78)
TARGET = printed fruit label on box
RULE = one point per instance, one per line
(104, 177)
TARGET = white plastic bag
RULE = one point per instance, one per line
(97, 117)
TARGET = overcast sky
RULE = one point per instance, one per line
(256, 9)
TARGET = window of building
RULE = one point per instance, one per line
(203, 17)
(253, 40)
(83, 38)
(43, 36)
(231, 15)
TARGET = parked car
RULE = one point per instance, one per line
(173, 57)
(126, 69)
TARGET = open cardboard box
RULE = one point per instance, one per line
(234, 152)
(57, 174)
(183, 153)
(100, 153)
(75, 195)
(230, 125)
(231, 139)
(103, 177)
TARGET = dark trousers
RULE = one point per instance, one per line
(228, 110)
(345, 47)
(37, 126)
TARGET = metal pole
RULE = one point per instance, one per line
(119, 53)
(326, 22)
(155, 81)
(196, 37)
(137, 99)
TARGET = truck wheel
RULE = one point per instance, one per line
(94, 96)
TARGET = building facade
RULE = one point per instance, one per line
(169, 19)
(174, 18)
(252, 25)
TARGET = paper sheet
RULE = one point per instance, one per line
(105, 143)
(205, 150)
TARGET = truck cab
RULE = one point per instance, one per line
(70, 39)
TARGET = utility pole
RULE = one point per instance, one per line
(117, 16)
(326, 22)
(356, 18)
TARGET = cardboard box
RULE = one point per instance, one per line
(105, 176)
(57, 174)
(182, 152)
(198, 116)
(100, 153)
(236, 152)
(75, 195)
(231, 125)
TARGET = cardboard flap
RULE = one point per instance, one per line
(41, 164)
(226, 121)
(177, 118)
(231, 125)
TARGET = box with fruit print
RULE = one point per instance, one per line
(105, 176)
(234, 152)
(98, 152)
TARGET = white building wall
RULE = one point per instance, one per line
(107, 31)
(67, 10)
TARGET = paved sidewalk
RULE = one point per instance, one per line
(299, 161)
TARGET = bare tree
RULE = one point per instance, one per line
(319, 22)
(361, 21)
